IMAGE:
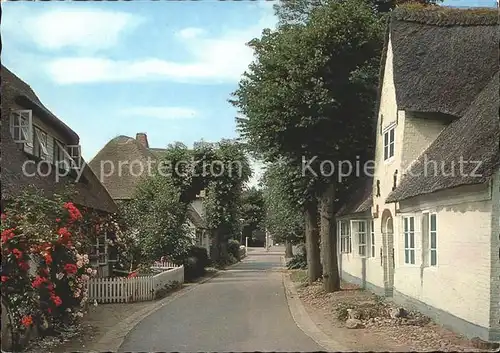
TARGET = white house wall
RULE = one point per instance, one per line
(460, 283)
(365, 271)
(418, 134)
(495, 258)
(458, 292)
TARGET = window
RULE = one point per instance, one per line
(409, 239)
(21, 126)
(389, 143)
(62, 158)
(372, 238)
(433, 240)
(100, 249)
(345, 238)
(74, 152)
(359, 229)
(40, 146)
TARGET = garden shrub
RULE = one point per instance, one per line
(298, 261)
(233, 248)
(195, 262)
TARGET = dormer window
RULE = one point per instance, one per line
(389, 142)
(74, 152)
(40, 143)
(21, 126)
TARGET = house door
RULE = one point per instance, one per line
(388, 260)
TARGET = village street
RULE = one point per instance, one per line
(242, 309)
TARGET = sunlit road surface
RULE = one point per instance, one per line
(242, 309)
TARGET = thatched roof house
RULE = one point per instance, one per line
(446, 61)
(124, 162)
(121, 164)
(17, 95)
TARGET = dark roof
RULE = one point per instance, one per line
(442, 57)
(89, 192)
(474, 137)
(25, 96)
(195, 217)
(122, 184)
(360, 200)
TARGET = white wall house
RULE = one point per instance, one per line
(431, 238)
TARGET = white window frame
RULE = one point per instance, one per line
(97, 247)
(42, 143)
(67, 157)
(372, 239)
(23, 120)
(345, 237)
(407, 234)
(387, 143)
(431, 232)
(361, 236)
(76, 157)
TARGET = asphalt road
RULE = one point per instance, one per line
(242, 309)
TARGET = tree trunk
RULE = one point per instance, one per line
(331, 278)
(215, 248)
(288, 249)
(312, 246)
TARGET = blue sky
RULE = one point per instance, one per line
(165, 68)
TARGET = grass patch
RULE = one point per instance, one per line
(298, 276)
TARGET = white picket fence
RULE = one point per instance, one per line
(164, 264)
(128, 290)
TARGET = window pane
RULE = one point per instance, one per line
(391, 136)
(412, 256)
(433, 257)
(406, 241)
(386, 152)
(391, 150)
(407, 256)
(412, 224)
(386, 139)
(412, 240)
(406, 224)
(433, 240)
(433, 222)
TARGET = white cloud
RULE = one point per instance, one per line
(214, 59)
(76, 28)
(190, 32)
(164, 113)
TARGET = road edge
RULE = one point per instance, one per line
(304, 321)
(113, 339)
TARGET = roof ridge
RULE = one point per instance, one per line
(446, 16)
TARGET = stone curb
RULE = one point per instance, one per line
(113, 339)
(304, 321)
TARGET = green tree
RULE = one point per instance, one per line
(298, 11)
(228, 173)
(284, 219)
(309, 97)
(252, 212)
(157, 219)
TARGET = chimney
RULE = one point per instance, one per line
(142, 138)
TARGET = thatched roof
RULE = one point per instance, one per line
(25, 96)
(442, 57)
(473, 138)
(130, 154)
(89, 191)
(195, 217)
(360, 199)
